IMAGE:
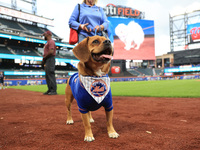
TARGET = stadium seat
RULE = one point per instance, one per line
(10, 24)
(24, 51)
(4, 49)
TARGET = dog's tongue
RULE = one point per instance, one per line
(106, 56)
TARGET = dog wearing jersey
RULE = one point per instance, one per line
(91, 85)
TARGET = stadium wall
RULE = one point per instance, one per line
(18, 82)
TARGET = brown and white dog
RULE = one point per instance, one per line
(95, 55)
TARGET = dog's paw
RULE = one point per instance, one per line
(89, 139)
(113, 135)
(91, 120)
(69, 122)
(137, 46)
(127, 48)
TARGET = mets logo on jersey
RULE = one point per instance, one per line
(98, 88)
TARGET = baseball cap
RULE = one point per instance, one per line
(47, 32)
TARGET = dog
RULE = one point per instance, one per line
(91, 85)
(132, 35)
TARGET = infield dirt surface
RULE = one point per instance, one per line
(30, 120)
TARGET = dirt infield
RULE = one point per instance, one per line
(30, 120)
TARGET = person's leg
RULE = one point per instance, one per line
(3, 84)
(47, 78)
(51, 73)
(53, 84)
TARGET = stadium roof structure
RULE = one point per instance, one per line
(25, 15)
(182, 24)
(19, 25)
(181, 11)
(13, 30)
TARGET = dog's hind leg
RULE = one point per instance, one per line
(68, 100)
(90, 117)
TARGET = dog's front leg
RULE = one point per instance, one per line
(88, 131)
(111, 131)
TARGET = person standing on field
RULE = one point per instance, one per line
(49, 64)
(2, 77)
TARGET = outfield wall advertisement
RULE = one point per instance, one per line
(133, 38)
(17, 82)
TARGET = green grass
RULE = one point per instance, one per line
(164, 88)
(41, 88)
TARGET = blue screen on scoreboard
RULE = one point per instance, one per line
(182, 69)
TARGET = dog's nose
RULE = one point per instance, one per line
(107, 42)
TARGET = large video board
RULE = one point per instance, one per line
(193, 32)
(133, 38)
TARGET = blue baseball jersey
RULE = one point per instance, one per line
(84, 100)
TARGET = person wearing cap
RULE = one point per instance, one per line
(89, 19)
(49, 64)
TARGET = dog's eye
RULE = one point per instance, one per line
(95, 42)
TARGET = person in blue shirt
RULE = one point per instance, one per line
(89, 18)
(110, 33)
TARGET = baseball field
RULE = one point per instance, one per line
(148, 115)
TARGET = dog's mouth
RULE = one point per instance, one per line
(103, 56)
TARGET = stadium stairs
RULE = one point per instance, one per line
(134, 72)
(146, 71)
(159, 71)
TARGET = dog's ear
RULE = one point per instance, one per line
(81, 51)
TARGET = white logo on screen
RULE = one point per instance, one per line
(117, 70)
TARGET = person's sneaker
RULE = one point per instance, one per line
(52, 93)
(46, 93)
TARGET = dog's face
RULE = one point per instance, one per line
(98, 49)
